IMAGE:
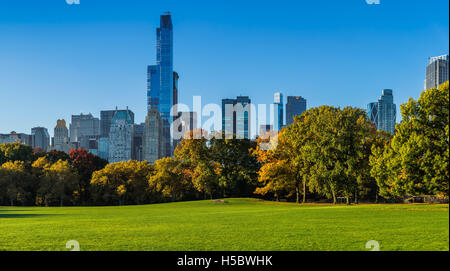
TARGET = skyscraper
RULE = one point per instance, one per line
(138, 139)
(120, 137)
(278, 118)
(384, 112)
(61, 136)
(153, 140)
(106, 117)
(40, 138)
(160, 81)
(236, 116)
(295, 106)
(437, 71)
(83, 125)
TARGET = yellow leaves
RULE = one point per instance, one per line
(121, 190)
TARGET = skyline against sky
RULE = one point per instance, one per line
(58, 60)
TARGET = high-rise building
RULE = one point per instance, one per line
(153, 136)
(160, 81)
(103, 147)
(120, 137)
(106, 117)
(236, 117)
(61, 137)
(83, 125)
(295, 106)
(437, 71)
(278, 118)
(138, 139)
(384, 112)
(14, 137)
(40, 138)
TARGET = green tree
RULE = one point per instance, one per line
(122, 182)
(14, 182)
(59, 182)
(236, 166)
(416, 161)
(15, 152)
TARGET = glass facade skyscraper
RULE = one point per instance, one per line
(295, 106)
(437, 71)
(384, 112)
(160, 81)
(278, 117)
(236, 117)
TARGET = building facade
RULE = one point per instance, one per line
(437, 71)
(120, 137)
(14, 137)
(106, 117)
(384, 112)
(40, 138)
(61, 140)
(295, 106)
(153, 136)
(236, 117)
(278, 111)
(83, 125)
(161, 82)
(138, 140)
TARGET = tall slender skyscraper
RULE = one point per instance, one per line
(278, 111)
(384, 112)
(160, 81)
(437, 71)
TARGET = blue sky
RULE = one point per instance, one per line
(57, 59)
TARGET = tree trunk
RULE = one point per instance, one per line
(12, 202)
(304, 192)
(278, 198)
(356, 197)
(297, 191)
(61, 202)
(348, 200)
(334, 196)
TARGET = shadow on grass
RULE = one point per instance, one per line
(6, 210)
(22, 215)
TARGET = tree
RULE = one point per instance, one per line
(14, 182)
(416, 161)
(236, 166)
(15, 152)
(58, 183)
(168, 180)
(85, 164)
(53, 156)
(196, 164)
(122, 182)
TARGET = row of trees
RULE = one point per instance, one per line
(326, 153)
(36, 177)
(330, 152)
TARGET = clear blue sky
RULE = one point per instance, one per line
(57, 59)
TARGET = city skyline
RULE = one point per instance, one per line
(299, 84)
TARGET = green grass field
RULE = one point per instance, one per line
(241, 224)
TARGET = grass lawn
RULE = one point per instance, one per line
(241, 224)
